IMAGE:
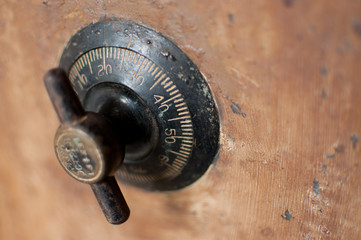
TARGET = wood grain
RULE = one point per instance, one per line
(286, 76)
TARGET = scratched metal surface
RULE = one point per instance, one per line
(286, 76)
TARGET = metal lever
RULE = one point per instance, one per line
(86, 146)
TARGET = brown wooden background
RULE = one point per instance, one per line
(287, 78)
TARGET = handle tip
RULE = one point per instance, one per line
(111, 201)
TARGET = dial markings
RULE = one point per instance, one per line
(82, 62)
(187, 133)
(89, 64)
(168, 84)
(151, 67)
(157, 75)
(186, 147)
(179, 100)
(178, 118)
(171, 88)
(186, 121)
(181, 109)
(97, 54)
(174, 92)
(180, 105)
(129, 56)
(90, 56)
(172, 98)
(183, 113)
(187, 129)
(144, 70)
(146, 67)
(178, 153)
(77, 67)
(155, 71)
(157, 81)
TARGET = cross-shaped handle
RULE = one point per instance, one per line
(86, 146)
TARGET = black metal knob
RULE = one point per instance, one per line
(86, 146)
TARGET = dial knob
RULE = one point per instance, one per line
(134, 107)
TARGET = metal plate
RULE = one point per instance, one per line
(156, 98)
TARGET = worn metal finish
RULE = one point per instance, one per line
(79, 154)
(111, 200)
(86, 147)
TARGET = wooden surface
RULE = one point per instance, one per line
(287, 79)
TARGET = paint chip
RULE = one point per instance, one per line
(354, 139)
(287, 215)
(237, 109)
(230, 17)
(324, 71)
(316, 187)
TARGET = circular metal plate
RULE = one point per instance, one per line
(174, 125)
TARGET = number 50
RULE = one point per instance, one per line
(170, 135)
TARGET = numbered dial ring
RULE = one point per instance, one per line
(158, 102)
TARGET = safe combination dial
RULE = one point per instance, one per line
(133, 106)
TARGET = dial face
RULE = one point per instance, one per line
(156, 99)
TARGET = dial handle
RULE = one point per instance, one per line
(86, 146)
